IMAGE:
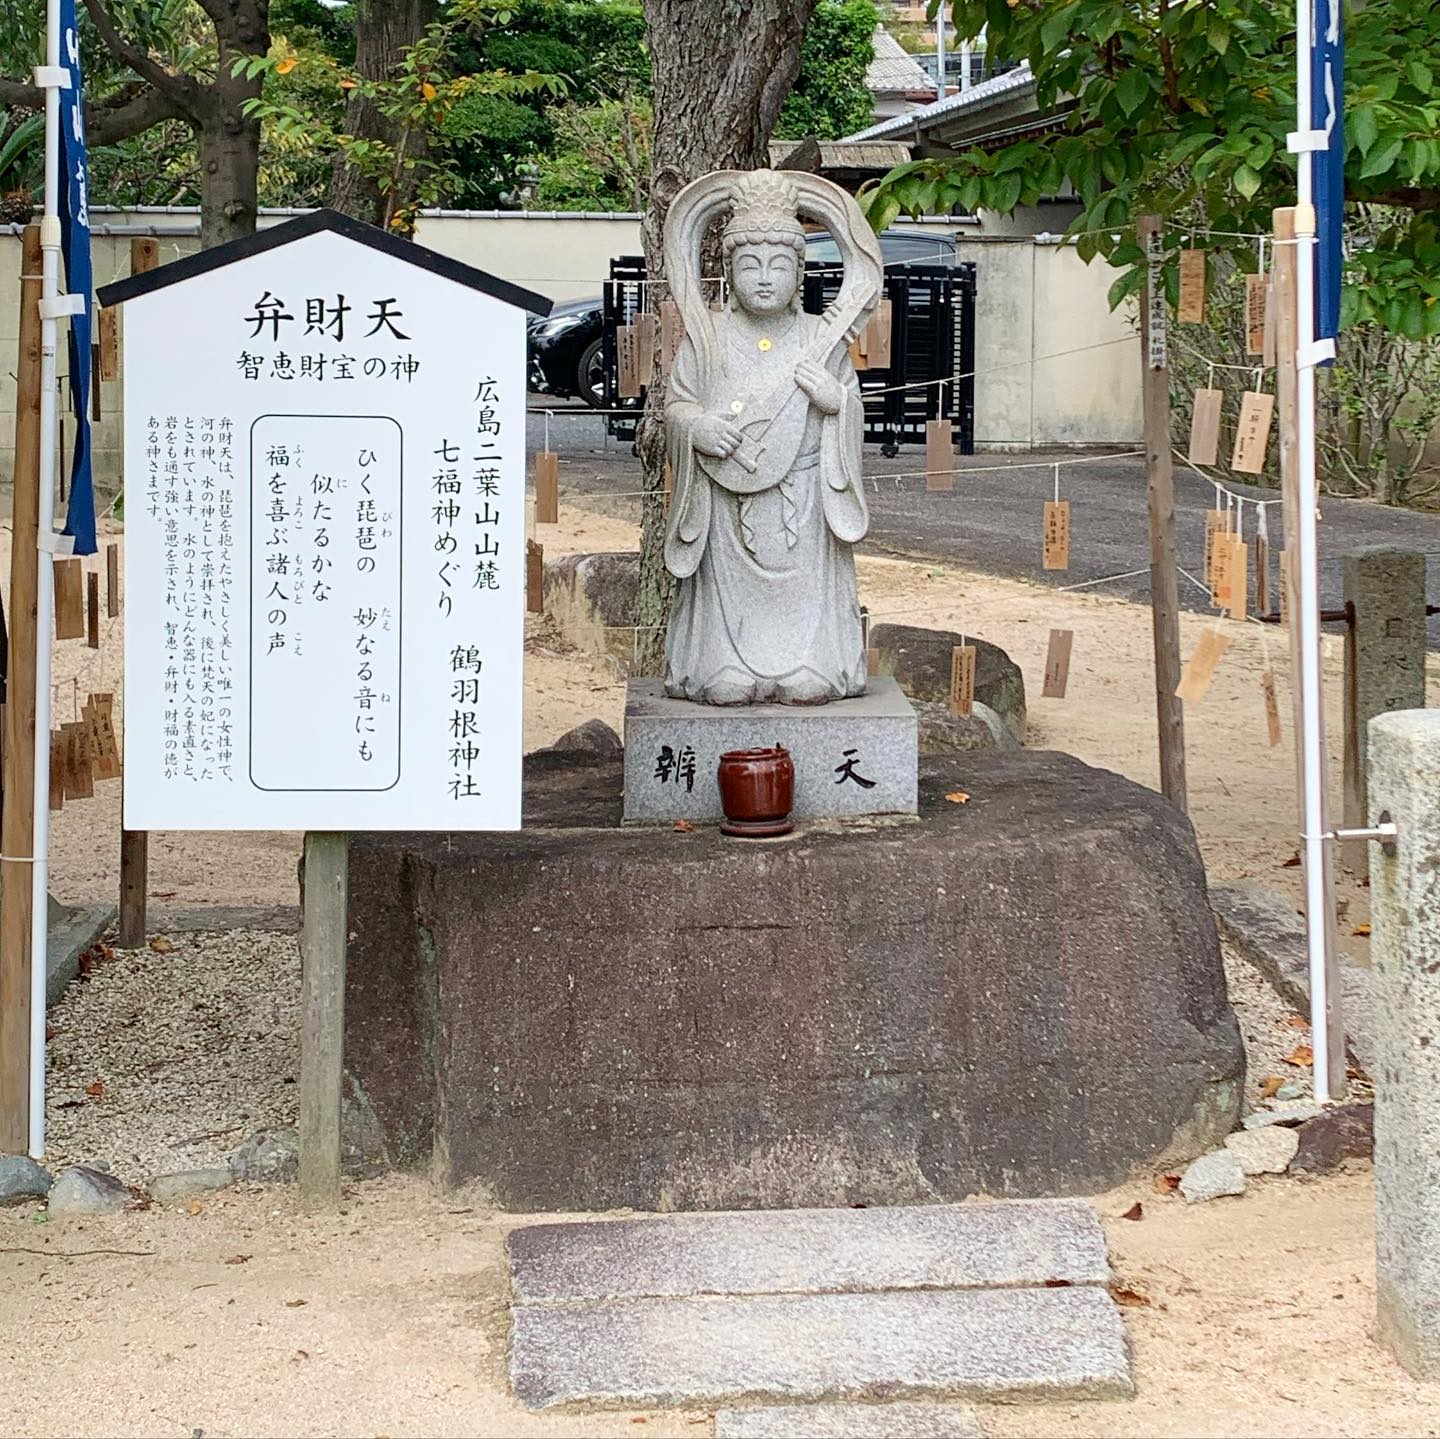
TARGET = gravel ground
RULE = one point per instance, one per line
(192, 1047)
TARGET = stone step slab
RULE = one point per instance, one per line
(849, 1421)
(812, 1251)
(999, 1344)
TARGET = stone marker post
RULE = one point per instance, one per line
(1384, 663)
(1404, 781)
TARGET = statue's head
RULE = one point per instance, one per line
(764, 243)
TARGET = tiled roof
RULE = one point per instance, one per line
(848, 154)
(927, 115)
(894, 71)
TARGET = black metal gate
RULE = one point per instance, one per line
(932, 349)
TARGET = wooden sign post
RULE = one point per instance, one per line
(397, 489)
(1159, 469)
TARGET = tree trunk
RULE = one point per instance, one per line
(228, 140)
(720, 72)
(384, 30)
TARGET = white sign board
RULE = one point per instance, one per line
(325, 548)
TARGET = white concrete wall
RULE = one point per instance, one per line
(1035, 302)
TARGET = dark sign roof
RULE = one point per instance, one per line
(311, 224)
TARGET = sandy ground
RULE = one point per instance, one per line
(1260, 1308)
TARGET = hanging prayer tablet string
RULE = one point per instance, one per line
(1057, 530)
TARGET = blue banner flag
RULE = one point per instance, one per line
(75, 247)
(1327, 113)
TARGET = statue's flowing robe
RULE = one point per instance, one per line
(767, 607)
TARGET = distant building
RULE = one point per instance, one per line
(896, 79)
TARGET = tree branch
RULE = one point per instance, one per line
(181, 90)
(1405, 199)
(109, 124)
(21, 93)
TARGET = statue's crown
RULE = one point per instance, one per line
(764, 201)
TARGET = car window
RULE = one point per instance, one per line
(894, 248)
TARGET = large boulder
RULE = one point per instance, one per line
(1017, 995)
(920, 661)
(592, 601)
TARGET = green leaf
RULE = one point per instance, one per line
(1132, 90)
(1004, 192)
(1381, 159)
(1421, 76)
(1364, 127)
(1247, 181)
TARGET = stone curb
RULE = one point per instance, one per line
(71, 933)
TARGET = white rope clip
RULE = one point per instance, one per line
(52, 77)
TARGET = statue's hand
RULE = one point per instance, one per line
(825, 391)
(715, 435)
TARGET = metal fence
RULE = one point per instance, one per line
(932, 349)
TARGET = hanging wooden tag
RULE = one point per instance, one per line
(1262, 574)
(1057, 534)
(112, 580)
(857, 352)
(108, 338)
(92, 609)
(672, 331)
(69, 600)
(1192, 287)
(1217, 523)
(1257, 289)
(1236, 598)
(547, 487)
(1267, 341)
(79, 782)
(57, 770)
(1252, 434)
(939, 455)
(877, 335)
(1057, 664)
(627, 372)
(105, 705)
(1205, 427)
(1272, 707)
(100, 731)
(1222, 557)
(962, 679)
(534, 577)
(95, 396)
(1202, 666)
(647, 342)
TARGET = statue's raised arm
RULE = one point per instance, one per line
(764, 426)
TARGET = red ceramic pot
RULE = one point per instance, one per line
(757, 790)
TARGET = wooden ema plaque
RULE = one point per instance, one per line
(534, 577)
(672, 331)
(98, 717)
(877, 335)
(1205, 427)
(647, 344)
(939, 455)
(627, 368)
(79, 782)
(962, 679)
(1057, 534)
(1202, 666)
(1234, 593)
(57, 770)
(1222, 559)
(1257, 295)
(547, 487)
(107, 342)
(69, 600)
(1217, 523)
(1192, 287)
(92, 609)
(112, 580)
(1252, 434)
(1057, 664)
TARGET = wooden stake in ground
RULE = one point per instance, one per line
(17, 828)
(322, 1009)
(1164, 575)
(1287, 402)
(134, 844)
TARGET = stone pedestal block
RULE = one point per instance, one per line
(852, 757)
(1405, 952)
(1017, 996)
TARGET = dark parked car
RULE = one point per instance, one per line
(566, 351)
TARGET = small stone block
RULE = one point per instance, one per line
(813, 1251)
(1267, 1150)
(849, 1421)
(1212, 1176)
(852, 757)
(979, 1343)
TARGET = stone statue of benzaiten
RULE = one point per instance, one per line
(764, 427)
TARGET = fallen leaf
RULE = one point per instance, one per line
(1297, 1021)
(50, 1032)
(161, 945)
(1362, 930)
(1270, 1084)
(294, 1303)
(286, 65)
(238, 1259)
(1167, 1183)
(683, 826)
(1130, 1298)
(1057, 1283)
(95, 1090)
(1353, 1071)
(958, 796)
(87, 963)
(1135, 1211)
(194, 1207)
(1302, 1056)
(1293, 862)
